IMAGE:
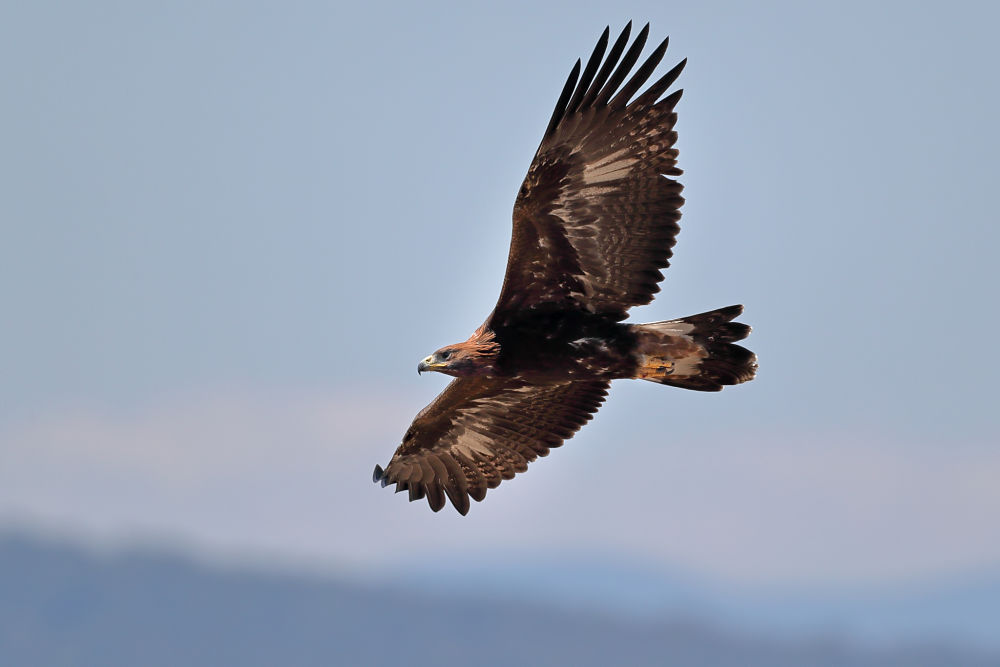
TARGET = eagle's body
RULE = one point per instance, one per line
(548, 346)
(594, 222)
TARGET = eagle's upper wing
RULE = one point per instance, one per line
(480, 431)
(596, 216)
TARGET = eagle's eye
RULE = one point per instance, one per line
(445, 354)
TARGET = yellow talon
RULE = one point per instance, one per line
(654, 367)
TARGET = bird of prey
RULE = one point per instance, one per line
(594, 222)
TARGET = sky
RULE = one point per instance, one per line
(229, 231)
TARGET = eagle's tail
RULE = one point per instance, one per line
(697, 352)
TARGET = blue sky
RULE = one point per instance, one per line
(230, 231)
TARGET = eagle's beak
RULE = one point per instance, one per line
(425, 365)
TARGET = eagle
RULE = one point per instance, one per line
(595, 221)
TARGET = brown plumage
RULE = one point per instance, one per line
(594, 223)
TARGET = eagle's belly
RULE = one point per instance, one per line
(592, 356)
(570, 349)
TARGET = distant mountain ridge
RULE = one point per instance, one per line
(960, 610)
(62, 605)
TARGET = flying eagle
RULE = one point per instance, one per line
(594, 222)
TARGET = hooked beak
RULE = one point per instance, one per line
(426, 365)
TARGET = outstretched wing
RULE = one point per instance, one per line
(480, 431)
(596, 216)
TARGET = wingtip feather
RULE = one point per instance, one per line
(623, 68)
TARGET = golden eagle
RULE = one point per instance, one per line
(594, 222)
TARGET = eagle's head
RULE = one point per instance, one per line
(476, 356)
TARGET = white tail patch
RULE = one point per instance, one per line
(688, 365)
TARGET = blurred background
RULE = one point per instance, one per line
(229, 231)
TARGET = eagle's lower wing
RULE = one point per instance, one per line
(480, 431)
(596, 216)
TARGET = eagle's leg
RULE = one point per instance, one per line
(654, 368)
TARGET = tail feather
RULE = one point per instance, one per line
(696, 352)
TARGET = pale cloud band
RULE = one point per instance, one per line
(289, 477)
